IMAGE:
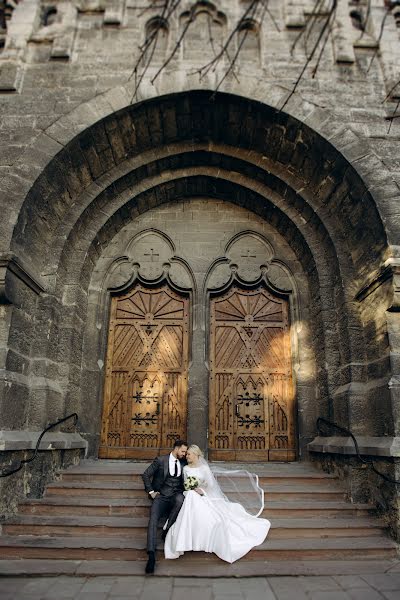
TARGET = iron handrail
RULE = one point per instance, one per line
(370, 463)
(28, 460)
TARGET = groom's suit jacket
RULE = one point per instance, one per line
(155, 475)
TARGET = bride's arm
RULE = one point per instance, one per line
(206, 483)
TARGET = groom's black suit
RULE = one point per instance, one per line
(157, 478)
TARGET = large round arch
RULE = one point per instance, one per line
(175, 148)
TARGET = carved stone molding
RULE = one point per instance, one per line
(149, 256)
(368, 445)
(10, 268)
(249, 257)
(26, 440)
(390, 270)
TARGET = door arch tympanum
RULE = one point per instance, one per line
(145, 393)
(251, 415)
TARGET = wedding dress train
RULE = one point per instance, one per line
(211, 523)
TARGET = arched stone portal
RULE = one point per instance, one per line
(178, 149)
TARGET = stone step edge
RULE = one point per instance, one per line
(173, 568)
(142, 464)
(111, 485)
(61, 500)
(138, 473)
(139, 543)
(133, 522)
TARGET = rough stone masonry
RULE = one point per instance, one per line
(98, 161)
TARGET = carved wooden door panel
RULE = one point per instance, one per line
(251, 391)
(145, 396)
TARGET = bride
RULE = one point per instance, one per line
(208, 521)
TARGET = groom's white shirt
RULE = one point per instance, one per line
(172, 460)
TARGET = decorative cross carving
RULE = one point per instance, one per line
(248, 255)
(152, 254)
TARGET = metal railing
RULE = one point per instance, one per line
(368, 462)
(28, 460)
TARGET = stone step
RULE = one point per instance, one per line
(131, 489)
(136, 466)
(175, 568)
(134, 526)
(121, 548)
(264, 480)
(93, 506)
(132, 471)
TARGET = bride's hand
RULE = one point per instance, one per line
(199, 491)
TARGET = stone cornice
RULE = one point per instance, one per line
(11, 265)
(390, 270)
(14, 440)
(387, 446)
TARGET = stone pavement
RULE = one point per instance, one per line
(337, 587)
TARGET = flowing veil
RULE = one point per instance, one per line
(237, 485)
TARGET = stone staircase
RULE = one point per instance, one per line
(94, 520)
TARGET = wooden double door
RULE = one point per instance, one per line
(251, 414)
(145, 397)
(251, 401)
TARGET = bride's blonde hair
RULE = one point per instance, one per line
(196, 450)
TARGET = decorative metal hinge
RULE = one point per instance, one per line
(147, 420)
(247, 421)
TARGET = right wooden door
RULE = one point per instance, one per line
(251, 390)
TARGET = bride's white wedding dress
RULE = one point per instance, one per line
(213, 524)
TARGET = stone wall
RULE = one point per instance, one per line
(86, 156)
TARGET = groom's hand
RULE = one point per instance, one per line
(154, 495)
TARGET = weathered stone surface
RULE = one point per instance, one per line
(86, 163)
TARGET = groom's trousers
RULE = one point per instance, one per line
(162, 506)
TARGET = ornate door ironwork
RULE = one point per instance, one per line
(145, 397)
(251, 391)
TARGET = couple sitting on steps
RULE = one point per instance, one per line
(185, 489)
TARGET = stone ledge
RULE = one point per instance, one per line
(368, 445)
(11, 265)
(26, 440)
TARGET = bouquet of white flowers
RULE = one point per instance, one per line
(191, 483)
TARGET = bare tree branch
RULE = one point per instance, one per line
(311, 19)
(168, 8)
(271, 16)
(190, 20)
(326, 25)
(248, 13)
(395, 115)
(379, 39)
(329, 31)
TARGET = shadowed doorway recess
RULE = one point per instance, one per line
(251, 391)
(145, 396)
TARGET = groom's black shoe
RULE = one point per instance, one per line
(151, 563)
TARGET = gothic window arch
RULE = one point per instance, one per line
(6, 11)
(157, 31)
(248, 40)
(357, 20)
(204, 37)
(50, 16)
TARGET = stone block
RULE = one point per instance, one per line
(10, 77)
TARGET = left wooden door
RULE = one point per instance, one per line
(145, 393)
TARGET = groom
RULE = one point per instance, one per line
(163, 481)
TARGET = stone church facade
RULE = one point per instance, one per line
(210, 257)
